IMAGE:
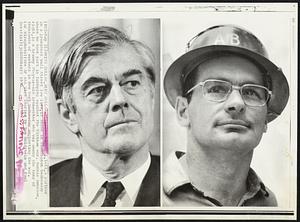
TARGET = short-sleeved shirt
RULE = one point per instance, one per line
(178, 190)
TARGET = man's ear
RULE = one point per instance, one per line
(182, 111)
(67, 116)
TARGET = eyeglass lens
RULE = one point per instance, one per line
(251, 94)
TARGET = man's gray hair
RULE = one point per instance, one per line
(66, 66)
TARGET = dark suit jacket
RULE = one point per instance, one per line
(65, 180)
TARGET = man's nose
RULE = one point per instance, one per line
(117, 99)
(235, 103)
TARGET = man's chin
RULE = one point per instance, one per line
(236, 142)
(123, 146)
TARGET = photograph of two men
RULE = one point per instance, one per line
(186, 110)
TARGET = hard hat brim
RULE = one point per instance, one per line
(181, 67)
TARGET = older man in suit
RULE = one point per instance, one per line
(104, 88)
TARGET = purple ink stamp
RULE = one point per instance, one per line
(45, 133)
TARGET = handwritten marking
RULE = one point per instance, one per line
(45, 147)
(20, 148)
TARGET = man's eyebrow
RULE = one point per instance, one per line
(92, 80)
(131, 72)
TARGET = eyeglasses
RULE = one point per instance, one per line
(219, 90)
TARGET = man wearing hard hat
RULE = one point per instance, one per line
(225, 91)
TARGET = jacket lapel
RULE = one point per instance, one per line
(149, 193)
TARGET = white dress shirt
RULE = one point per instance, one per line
(92, 194)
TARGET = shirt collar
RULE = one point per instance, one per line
(175, 176)
(92, 180)
(254, 185)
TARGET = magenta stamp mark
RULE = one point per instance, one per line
(20, 148)
(45, 148)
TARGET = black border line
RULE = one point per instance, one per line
(154, 212)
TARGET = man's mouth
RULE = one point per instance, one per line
(120, 123)
(234, 123)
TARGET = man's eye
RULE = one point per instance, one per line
(97, 91)
(132, 84)
(253, 93)
(217, 89)
(249, 92)
(98, 94)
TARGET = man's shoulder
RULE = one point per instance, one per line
(269, 197)
(65, 183)
(154, 168)
(65, 166)
(155, 159)
(60, 165)
(149, 193)
(264, 196)
(174, 174)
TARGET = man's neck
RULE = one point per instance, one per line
(114, 166)
(219, 173)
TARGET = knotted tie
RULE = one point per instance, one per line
(113, 190)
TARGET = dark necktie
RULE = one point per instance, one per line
(113, 190)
